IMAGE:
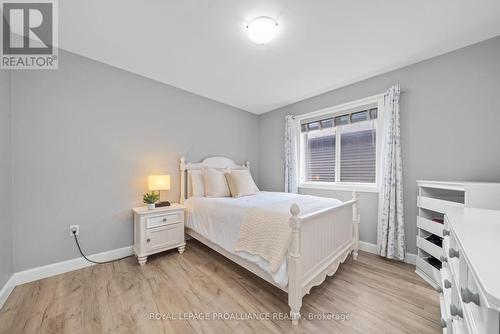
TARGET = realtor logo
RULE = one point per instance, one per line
(29, 34)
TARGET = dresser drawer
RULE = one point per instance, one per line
(436, 205)
(446, 284)
(459, 323)
(480, 318)
(429, 247)
(446, 248)
(164, 219)
(429, 270)
(430, 226)
(455, 258)
(445, 320)
(165, 236)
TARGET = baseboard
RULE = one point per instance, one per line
(367, 247)
(6, 290)
(372, 248)
(49, 270)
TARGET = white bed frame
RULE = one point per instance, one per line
(321, 240)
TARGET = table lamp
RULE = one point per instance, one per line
(159, 183)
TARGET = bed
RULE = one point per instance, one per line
(322, 235)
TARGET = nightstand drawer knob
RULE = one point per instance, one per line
(447, 284)
(443, 259)
(453, 253)
(446, 232)
(148, 240)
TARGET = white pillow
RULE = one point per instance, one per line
(240, 184)
(215, 183)
(197, 185)
(246, 172)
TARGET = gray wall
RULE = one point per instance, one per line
(5, 180)
(85, 139)
(87, 136)
(450, 118)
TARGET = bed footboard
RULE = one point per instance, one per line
(320, 242)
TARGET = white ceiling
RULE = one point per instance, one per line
(201, 45)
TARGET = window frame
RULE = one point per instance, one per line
(337, 111)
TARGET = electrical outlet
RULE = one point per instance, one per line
(74, 228)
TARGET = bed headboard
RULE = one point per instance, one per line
(188, 168)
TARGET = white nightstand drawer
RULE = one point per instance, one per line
(164, 236)
(164, 219)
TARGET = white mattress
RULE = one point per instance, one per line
(219, 220)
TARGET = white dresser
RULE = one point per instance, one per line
(470, 273)
(434, 197)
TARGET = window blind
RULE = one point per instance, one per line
(320, 156)
(358, 153)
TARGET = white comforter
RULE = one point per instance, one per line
(219, 220)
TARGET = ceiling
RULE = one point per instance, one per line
(201, 45)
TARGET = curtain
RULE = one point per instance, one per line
(391, 233)
(291, 151)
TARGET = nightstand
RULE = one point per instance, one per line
(158, 230)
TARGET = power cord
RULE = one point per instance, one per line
(96, 262)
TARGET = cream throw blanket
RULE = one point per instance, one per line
(265, 230)
(266, 234)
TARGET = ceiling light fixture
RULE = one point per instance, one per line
(262, 30)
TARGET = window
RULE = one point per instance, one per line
(338, 147)
(358, 153)
(320, 156)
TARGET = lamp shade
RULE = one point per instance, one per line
(159, 182)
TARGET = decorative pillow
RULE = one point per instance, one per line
(215, 183)
(246, 171)
(197, 185)
(240, 183)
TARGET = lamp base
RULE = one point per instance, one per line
(162, 204)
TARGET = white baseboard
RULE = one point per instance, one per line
(49, 270)
(367, 247)
(6, 290)
(372, 248)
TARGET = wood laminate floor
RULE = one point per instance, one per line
(372, 294)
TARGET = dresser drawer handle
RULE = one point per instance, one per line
(447, 284)
(443, 323)
(164, 219)
(148, 240)
(453, 253)
(443, 259)
(446, 232)
(455, 311)
(468, 296)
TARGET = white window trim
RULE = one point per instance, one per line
(340, 109)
